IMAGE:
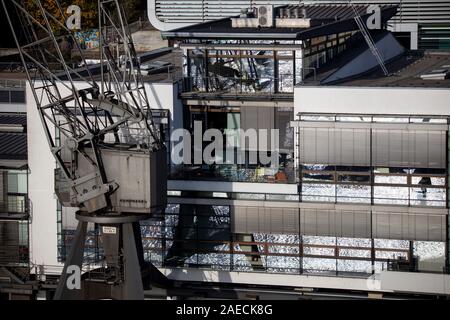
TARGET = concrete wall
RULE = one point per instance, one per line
(148, 40)
(387, 282)
(365, 100)
(43, 227)
(415, 282)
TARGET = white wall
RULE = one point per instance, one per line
(415, 282)
(261, 278)
(239, 187)
(387, 282)
(365, 100)
(164, 95)
(43, 228)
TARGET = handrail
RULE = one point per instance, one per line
(238, 85)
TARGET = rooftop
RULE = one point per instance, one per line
(405, 71)
(325, 19)
(163, 65)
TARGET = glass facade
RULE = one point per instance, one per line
(240, 167)
(194, 236)
(241, 71)
(274, 68)
(377, 163)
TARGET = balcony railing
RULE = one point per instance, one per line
(410, 189)
(283, 258)
(233, 85)
(233, 173)
(19, 205)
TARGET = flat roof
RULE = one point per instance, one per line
(405, 71)
(328, 18)
(173, 56)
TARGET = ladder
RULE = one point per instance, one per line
(362, 27)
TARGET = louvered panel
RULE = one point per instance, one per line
(409, 226)
(195, 11)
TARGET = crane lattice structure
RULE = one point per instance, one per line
(110, 156)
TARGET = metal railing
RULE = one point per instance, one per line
(12, 83)
(233, 173)
(14, 207)
(416, 189)
(234, 85)
(258, 256)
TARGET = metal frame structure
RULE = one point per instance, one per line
(99, 121)
(117, 103)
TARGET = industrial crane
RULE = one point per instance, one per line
(110, 157)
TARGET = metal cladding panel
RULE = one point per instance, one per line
(350, 147)
(196, 11)
(409, 226)
(291, 221)
(265, 220)
(239, 219)
(312, 222)
(131, 171)
(391, 148)
(400, 148)
(354, 224)
(142, 179)
(253, 220)
(418, 226)
(335, 223)
(258, 118)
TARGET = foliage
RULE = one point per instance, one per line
(89, 11)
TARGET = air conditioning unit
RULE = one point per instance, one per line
(265, 16)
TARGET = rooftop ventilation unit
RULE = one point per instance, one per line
(265, 16)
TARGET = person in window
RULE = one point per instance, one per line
(259, 173)
(425, 181)
(281, 176)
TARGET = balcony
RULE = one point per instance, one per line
(233, 88)
(16, 208)
(234, 173)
